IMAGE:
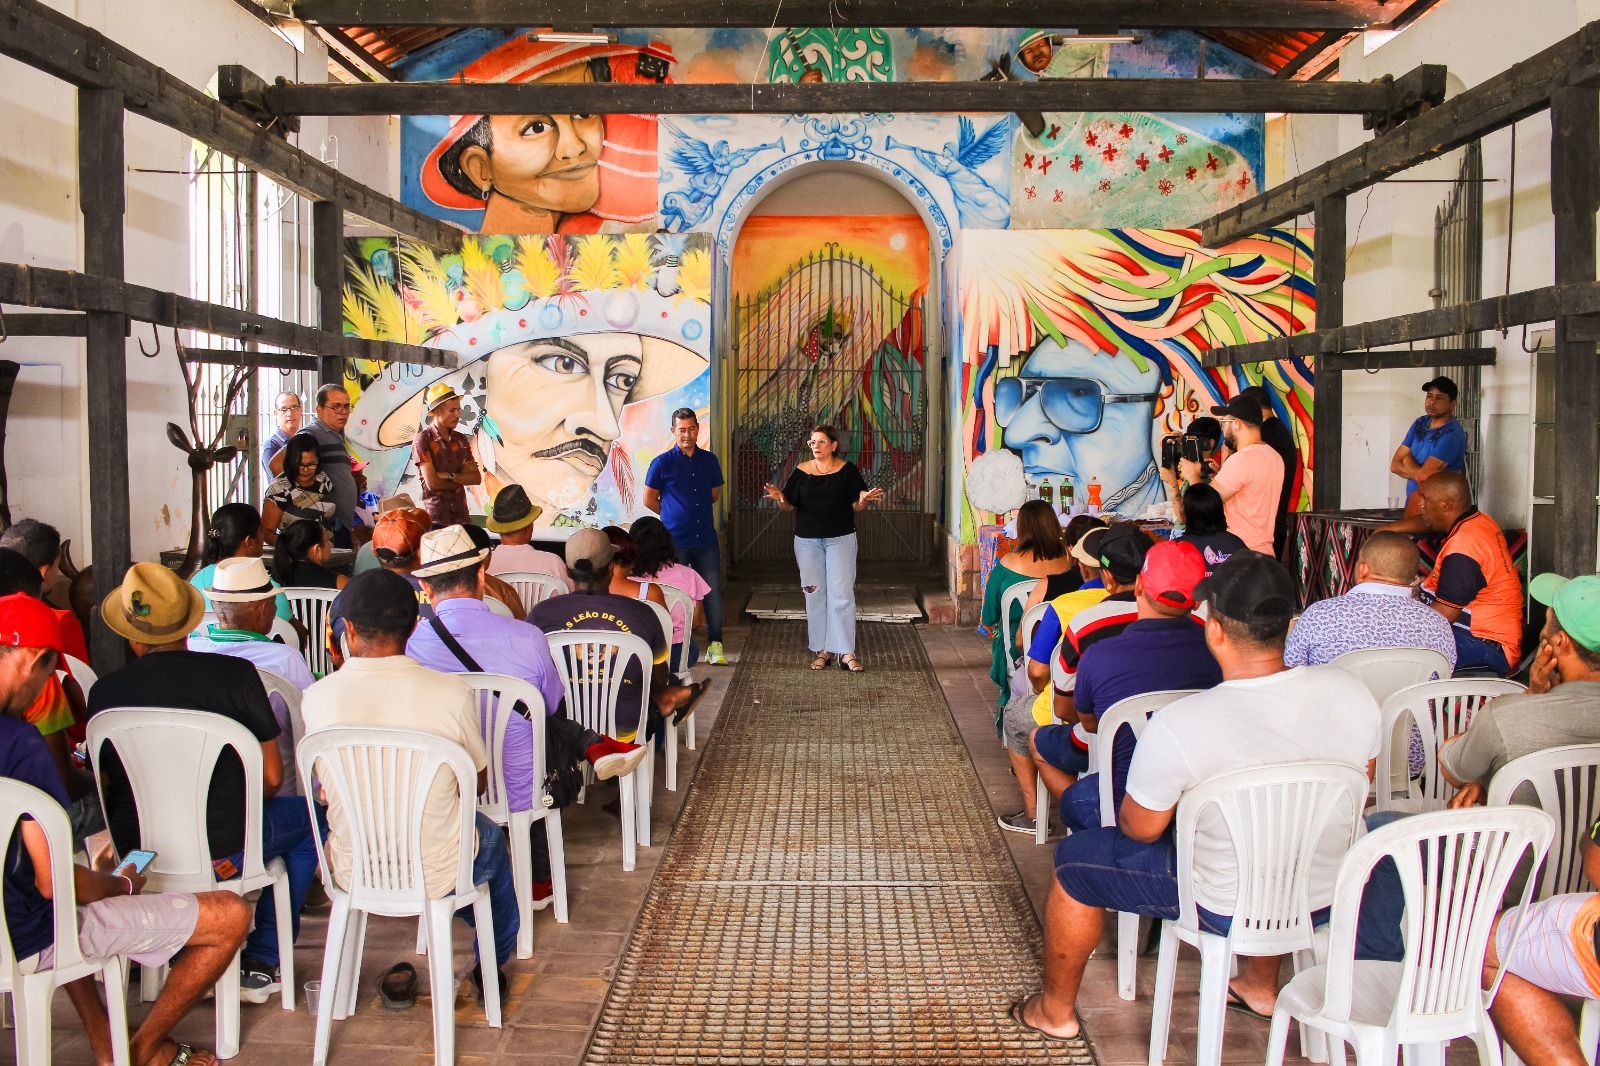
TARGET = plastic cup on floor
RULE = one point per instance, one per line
(313, 997)
(1395, 503)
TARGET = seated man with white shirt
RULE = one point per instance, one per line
(1262, 714)
(243, 598)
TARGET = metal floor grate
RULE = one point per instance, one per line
(835, 890)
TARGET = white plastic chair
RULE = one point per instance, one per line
(1277, 816)
(310, 608)
(497, 606)
(1437, 709)
(1131, 713)
(1041, 794)
(168, 757)
(1566, 781)
(669, 731)
(680, 602)
(1454, 867)
(377, 781)
(592, 667)
(293, 728)
(497, 696)
(32, 993)
(1030, 623)
(1015, 596)
(533, 588)
(81, 673)
(1386, 671)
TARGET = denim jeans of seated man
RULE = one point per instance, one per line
(1106, 868)
(285, 834)
(491, 866)
(1475, 653)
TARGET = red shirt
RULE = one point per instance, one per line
(447, 451)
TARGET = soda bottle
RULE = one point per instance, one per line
(1094, 495)
(1047, 494)
(1068, 504)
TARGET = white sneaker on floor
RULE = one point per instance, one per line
(1016, 823)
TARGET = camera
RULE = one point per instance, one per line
(1176, 446)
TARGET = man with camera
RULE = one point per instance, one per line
(1249, 482)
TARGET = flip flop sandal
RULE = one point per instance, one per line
(1237, 1002)
(821, 661)
(851, 663)
(1017, 1015)
(397, 988)
(699, 689)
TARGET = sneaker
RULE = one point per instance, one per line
(543, 893)
(714, 656)
(613, 758)
(1016, 823)
(258, 982)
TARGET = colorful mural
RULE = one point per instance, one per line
(1080, 349)
(585, 174)
(574, 352)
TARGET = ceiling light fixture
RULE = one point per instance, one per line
(560, 37)
(1101, 38)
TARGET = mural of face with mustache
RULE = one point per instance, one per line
(557, 404)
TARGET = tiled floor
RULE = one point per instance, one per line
(557, 994)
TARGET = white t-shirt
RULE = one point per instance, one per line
(1307, 714)
(401, 693)
(281, 659)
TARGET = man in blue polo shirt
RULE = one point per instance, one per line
(682, 486)
(1164, 648)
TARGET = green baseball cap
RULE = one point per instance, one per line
(1576, 602)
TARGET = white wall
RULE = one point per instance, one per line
(1390, 231)
(47, 434)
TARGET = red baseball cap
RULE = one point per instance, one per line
(1172, 569)
(27, 623)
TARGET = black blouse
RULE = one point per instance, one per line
(824, 506)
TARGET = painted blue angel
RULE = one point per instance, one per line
(708, 168)
(978, 204)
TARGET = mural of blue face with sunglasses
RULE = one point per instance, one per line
(1074, 412)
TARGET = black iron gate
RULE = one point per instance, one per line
(1458, 279)
(830, 343)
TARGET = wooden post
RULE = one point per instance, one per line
(327, 271)
(102, 197)
(1574, 161)
(1328, 274)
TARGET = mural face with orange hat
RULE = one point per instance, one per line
(533, 169)
(557, 404)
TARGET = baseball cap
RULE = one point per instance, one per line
(1444, 385)
(1242, 407)
(27, 623)
(592, 549)
(1249, 587)
(1172, 569)
(1576, 602)
(381, 599)
(1122, 551)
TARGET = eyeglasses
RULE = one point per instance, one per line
(287, 409)
(336, 407)
(1075, 405)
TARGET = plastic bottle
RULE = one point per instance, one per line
(1069, 505)
(1094, 496)
(1046, 493)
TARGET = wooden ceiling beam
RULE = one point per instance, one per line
(1310, 15)
(47, 40)
(1177, 95)
(1524, 89)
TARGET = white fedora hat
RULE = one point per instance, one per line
(447, 549)
(241, 581)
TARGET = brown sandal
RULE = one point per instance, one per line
(850, 663)
(822, 660)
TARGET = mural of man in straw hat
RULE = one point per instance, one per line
(552, 173)
(547, 374)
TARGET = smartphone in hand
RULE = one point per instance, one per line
(138, 860)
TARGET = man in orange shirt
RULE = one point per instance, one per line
(1249, 483)
(1474, 584)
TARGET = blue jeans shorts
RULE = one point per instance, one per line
(1054, 745)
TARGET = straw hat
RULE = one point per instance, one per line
(153, 605)
(400, 502)
(447, 549)
(241, 581)
(439, 392)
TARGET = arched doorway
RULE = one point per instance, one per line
(832, 312)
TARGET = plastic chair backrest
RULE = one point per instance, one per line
(310, 608)
(497, 696)
(592, 666)
(294, 727)
(533, 588)
(1013, 597)
(681, 605)
(1439, 709)
(498, 606)
(1567, 781)
(1386, 671)
(1131, 713)
(1276, 816)
(16, 800)
(378, 781)
(664, 617)
(81, 673)
(284, 631)
(1030, 622)
(1454, 867)
(168, 757)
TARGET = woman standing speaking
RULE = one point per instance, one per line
(825, 495)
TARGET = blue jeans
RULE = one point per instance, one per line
(285, 834)
(707, 562)
(828, 578)
(1383, 904)
(1080, 804)
(492, 866)
(1475, 653)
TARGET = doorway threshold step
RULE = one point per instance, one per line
(874, 603)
